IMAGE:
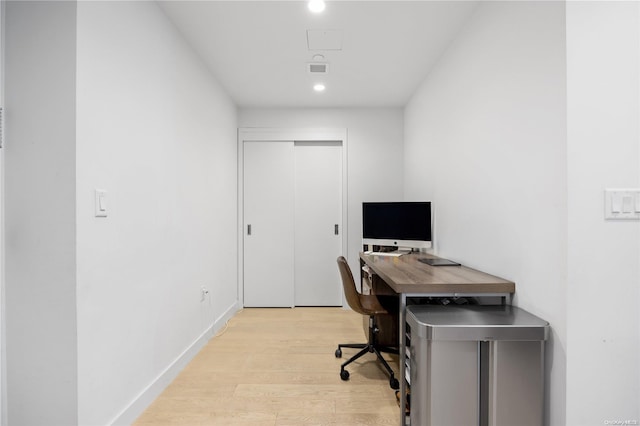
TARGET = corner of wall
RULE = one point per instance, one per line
(160, 383)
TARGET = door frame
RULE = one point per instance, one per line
(293, 135)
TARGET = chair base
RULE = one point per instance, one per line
(365, 348)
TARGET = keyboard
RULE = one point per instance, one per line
(388, 253)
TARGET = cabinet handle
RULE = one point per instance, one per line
(249, 229)
(336, 229)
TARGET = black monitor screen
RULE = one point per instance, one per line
(397, 221)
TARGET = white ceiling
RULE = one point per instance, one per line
(258, 49)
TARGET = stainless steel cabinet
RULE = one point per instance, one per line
(475, 365)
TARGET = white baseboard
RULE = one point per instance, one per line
(148, 395)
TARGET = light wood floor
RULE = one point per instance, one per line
(277, 367)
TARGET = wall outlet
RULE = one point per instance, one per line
(204, 292)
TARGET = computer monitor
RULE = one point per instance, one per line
(397, 224)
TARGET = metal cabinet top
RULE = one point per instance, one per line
(476, 322)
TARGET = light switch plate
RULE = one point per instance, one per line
(622, 204)
(101, 203)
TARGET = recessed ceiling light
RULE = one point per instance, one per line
(316, 6)
(319, 87)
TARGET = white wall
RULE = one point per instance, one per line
(374, 157)
(102, 312)
(3, 355)
(40, 191)
(485, 141)
(159, 135)
(603, 325)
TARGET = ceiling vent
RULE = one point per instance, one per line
(317, 68)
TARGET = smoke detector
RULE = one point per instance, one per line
(317, 68)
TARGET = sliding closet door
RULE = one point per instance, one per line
(318, 227)
(268, 224)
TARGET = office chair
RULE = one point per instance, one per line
(370, 306)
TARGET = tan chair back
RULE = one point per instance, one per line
(349, 286)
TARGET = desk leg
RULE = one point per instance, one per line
(402, 356)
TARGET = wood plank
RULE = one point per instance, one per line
(357, 419)
(277, 367)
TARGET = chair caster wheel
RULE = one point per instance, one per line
(344, 375)
(393, 382)
(338, 353)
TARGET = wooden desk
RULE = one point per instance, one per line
(408, 277)
(406, 274)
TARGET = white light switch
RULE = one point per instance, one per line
(627, 203)
(622, 204)
(101, 203)
(616, 205)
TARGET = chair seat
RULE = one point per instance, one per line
(371, 305)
